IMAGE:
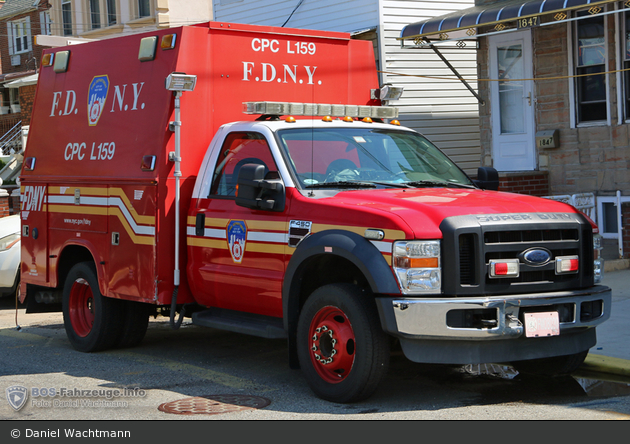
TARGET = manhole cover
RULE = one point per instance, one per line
(214, 404)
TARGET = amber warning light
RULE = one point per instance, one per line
(319, 110)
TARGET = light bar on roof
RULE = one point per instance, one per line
(319, 109)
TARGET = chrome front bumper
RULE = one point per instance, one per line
(426, 319)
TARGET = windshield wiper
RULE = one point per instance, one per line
(394, 184)
(341, 184)
(438, 183)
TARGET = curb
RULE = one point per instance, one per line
(616, 264)
(605, 365)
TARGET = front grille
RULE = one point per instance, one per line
(467, 272)
(500, 237)
(476, 242)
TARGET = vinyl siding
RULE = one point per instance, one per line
(441, 109)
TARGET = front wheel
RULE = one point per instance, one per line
(341, 347)
(92, 322)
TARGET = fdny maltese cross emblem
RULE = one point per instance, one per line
(236, 237)
(97, 94)
(17, 395)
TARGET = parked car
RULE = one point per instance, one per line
(9, 254)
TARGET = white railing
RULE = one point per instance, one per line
(585, 202)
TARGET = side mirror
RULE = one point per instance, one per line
(258, 193)
(487, 179)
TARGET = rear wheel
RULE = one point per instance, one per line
(556, 366)
(92, 321)
(342, 349)
(136, 322)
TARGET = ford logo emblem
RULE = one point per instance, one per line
(536, 256)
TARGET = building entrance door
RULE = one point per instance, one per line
(512, 102)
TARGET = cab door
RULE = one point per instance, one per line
(237, 254)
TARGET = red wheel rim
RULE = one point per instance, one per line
(332, 344)
(81, 308)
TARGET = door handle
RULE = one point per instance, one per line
(529, 98)
(200, 224)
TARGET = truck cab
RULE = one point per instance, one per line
(332, 232)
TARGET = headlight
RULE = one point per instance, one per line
(417, 266)
(8, 241)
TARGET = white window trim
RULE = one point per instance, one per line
(136, 10)
(88, 8)
(619, 50)
(571, 50)
(10, 33)
(73, 24)
(600, 213)
(45, 23)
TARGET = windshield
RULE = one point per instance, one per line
(364, 157)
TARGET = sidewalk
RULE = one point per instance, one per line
(611, 354)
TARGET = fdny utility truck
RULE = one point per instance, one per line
(253, 179)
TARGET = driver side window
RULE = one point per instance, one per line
(238, 149)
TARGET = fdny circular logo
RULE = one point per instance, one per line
(97, 94)
(237, 237)
(95, 111)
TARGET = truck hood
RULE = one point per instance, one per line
(423, 209)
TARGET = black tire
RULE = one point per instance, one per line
(556, 366)
(92, 322)
(350, 368)
(135, 324)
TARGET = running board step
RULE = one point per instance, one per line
(239, 322)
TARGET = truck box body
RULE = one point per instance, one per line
(89, 180)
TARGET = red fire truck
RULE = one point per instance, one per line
(254, 180)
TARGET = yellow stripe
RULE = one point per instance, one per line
(137, 239)
(261, 225)
(77, 209)
(207, 243)
(92, 191)
(103, 192)
(140, 219)
(252, 224)
(103, 211)
(221, 244)
(265, 248)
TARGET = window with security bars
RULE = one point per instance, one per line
(590, 61)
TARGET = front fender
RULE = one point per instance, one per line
(351, 246)
(348, 245)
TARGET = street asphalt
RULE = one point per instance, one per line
(610, 357)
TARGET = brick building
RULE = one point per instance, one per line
(20, 56)
(554, 96)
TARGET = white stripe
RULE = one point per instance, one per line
(213, 233)
(262, 236)
(255, 236)
(106, 202)
(138, 229)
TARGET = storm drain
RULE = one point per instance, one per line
(214, 404)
